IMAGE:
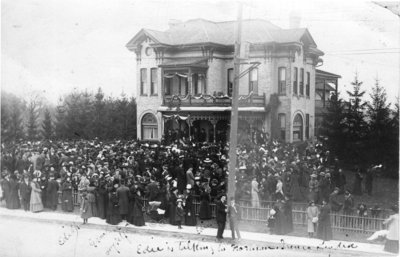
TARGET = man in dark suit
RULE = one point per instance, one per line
(123, 199)
(52, 193)
(25, 192)
(152, 190)
(334, 200)
(181, 176)
(234, 217)
(221, 216)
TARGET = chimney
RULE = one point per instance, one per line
(294, 20)
(173, 23)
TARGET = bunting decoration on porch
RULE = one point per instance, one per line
(207, 97)
(176, 116)
(171, 75)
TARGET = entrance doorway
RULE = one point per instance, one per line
(298, 128)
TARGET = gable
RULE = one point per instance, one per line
(155, 36)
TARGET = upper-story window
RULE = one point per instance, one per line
(230, 82)
(301, 81)
(153, 85)
(282, 80)
(308, 85)
(199, 83)
(253, 81)
(175, 83)
(295, 75)
(143, 81)
(167, 86)
(183, 86)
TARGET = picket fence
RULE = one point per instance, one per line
(260, 215)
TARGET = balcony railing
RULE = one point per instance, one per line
(250, 100)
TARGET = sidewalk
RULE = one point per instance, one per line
(196, 233)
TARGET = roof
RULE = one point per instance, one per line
(201, 31)
(321, 73)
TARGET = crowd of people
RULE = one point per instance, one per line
(113, 179)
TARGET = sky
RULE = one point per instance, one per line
(53, 47)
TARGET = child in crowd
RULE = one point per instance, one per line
(180, 213)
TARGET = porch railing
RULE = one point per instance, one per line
(260, 215)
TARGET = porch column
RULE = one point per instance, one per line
(323, 100)
(214, 123)
(190, 82)
(189, 122)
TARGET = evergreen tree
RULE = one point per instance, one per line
(86, 115)
(47, 125)
(73, 115)
(122, 117)
(392, 156)
(99, 114)
(61, 129)
(12, 125)
(378, 111)
(33, 115)
(333, 125)
(17, 128)
(355, 124)
(5, 119)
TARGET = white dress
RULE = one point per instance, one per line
(255, 201)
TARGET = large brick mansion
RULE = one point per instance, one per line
(185, 78)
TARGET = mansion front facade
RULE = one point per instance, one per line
(185, 79)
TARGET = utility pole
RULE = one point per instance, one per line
(234, 112)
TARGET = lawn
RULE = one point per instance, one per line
(385, 191)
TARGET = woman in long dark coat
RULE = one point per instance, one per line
(113, 216)
(131, 204)
(190, 210)
(66, 196)
(279, 218)
(138, 219)
(287, 212)
(12, 198)
(101, 194)
(205, 208)
(52, 193)
(172, 205)
(324, 230)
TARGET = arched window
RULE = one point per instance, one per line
(149, 127)
(298, 128)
